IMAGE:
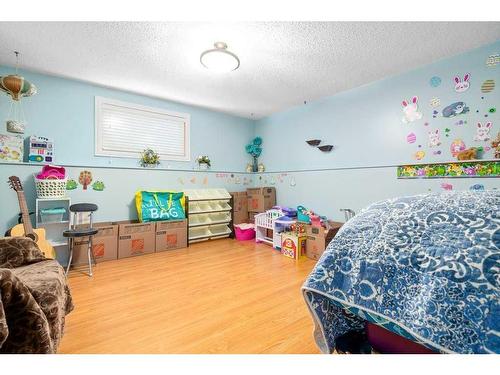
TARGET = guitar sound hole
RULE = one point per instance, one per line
(33, 236)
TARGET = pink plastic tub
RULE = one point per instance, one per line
(244, 232)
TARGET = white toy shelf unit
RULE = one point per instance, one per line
(209, 213)
(271, 220)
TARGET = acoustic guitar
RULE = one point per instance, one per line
(25, 229)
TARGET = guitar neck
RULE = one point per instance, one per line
(28, 228)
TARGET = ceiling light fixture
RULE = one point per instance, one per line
(219, 59)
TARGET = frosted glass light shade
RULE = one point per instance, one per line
(219, 59)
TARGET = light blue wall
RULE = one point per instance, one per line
(63, 110)
(365, 126)
(327, 191)
(116, 202)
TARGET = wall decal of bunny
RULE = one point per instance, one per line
(434, 139)
(410, 110)
(462, 85)
(483, 131)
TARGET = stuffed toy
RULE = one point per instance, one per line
(469, 154)
(496, 146)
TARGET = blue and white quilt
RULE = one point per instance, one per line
(426, 267)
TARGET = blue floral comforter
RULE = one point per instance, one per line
(426, 267)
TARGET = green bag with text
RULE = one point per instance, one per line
(160, 205)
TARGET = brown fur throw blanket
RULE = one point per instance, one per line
(34, 298)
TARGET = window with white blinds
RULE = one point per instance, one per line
(125, 130)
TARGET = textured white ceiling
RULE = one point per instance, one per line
(282, 63)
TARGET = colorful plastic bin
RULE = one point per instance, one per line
(244, 232)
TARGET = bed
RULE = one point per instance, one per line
(425, 268)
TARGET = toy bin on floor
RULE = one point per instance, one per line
(244, 232)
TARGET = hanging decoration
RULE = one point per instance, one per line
(16, 87)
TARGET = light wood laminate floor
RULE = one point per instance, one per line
(221, 296)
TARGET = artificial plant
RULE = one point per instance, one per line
(254, 149)
(149, 158)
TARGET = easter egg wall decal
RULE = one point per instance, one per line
(419, 155)
(411, 138)
(435, 81)
(488, 86)
(435, 102)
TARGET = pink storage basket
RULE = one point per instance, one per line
(244, 232)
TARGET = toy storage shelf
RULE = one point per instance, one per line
(209, 213)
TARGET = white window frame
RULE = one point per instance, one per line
(99, 100)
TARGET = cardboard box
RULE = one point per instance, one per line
(251, 217)
(319, 238)
(11, 147)
(261, 199)
(104, 244)
(135, 238)
(293, 246)
(171, 234)
(240, 207)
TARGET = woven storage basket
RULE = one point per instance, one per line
(50, 188)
